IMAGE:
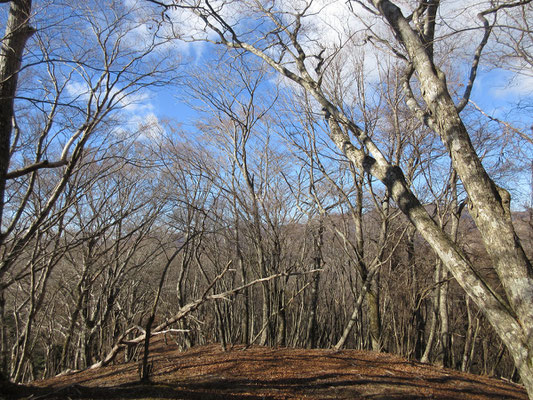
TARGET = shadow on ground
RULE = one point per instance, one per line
(207, 372)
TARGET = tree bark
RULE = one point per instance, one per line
(512, 315)
(4, 373)
(434, 308)
(312, 325)
(18, 31)
(489, 206)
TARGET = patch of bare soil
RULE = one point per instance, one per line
(207, 372)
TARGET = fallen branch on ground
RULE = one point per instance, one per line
(184, 311)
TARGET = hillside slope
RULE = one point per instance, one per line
(207, 372)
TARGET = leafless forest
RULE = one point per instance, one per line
(305, 183)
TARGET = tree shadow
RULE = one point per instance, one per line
(323, 386)
(274, 374)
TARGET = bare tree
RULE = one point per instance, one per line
(61, 100)
(282, 41)
(237, 120)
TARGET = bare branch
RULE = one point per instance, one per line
(183, 312)
(34, 167)
(504, 5)
(477, 56)
(523, 135)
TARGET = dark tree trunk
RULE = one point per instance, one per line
(17, 33)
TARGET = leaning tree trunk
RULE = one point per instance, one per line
(511, 317)
(512, 330)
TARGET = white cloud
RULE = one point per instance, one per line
(513, 86)
(137, 109)
(138, 103)
(148, 126)
(78, 90)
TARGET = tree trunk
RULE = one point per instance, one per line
(281, 339)
(374, 317)
(145, 368)
(221, 322)
(245, 321)
(445, 339)
(357, 308)
(489, 206)
(434, 308)
(72, 325)
(4, 373)
(312, 326)
(17, 33)
(512, 316)
(265, 316)
(507, 326)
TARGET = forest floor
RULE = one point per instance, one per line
(207, 372)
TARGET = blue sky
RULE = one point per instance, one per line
(496, 91)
